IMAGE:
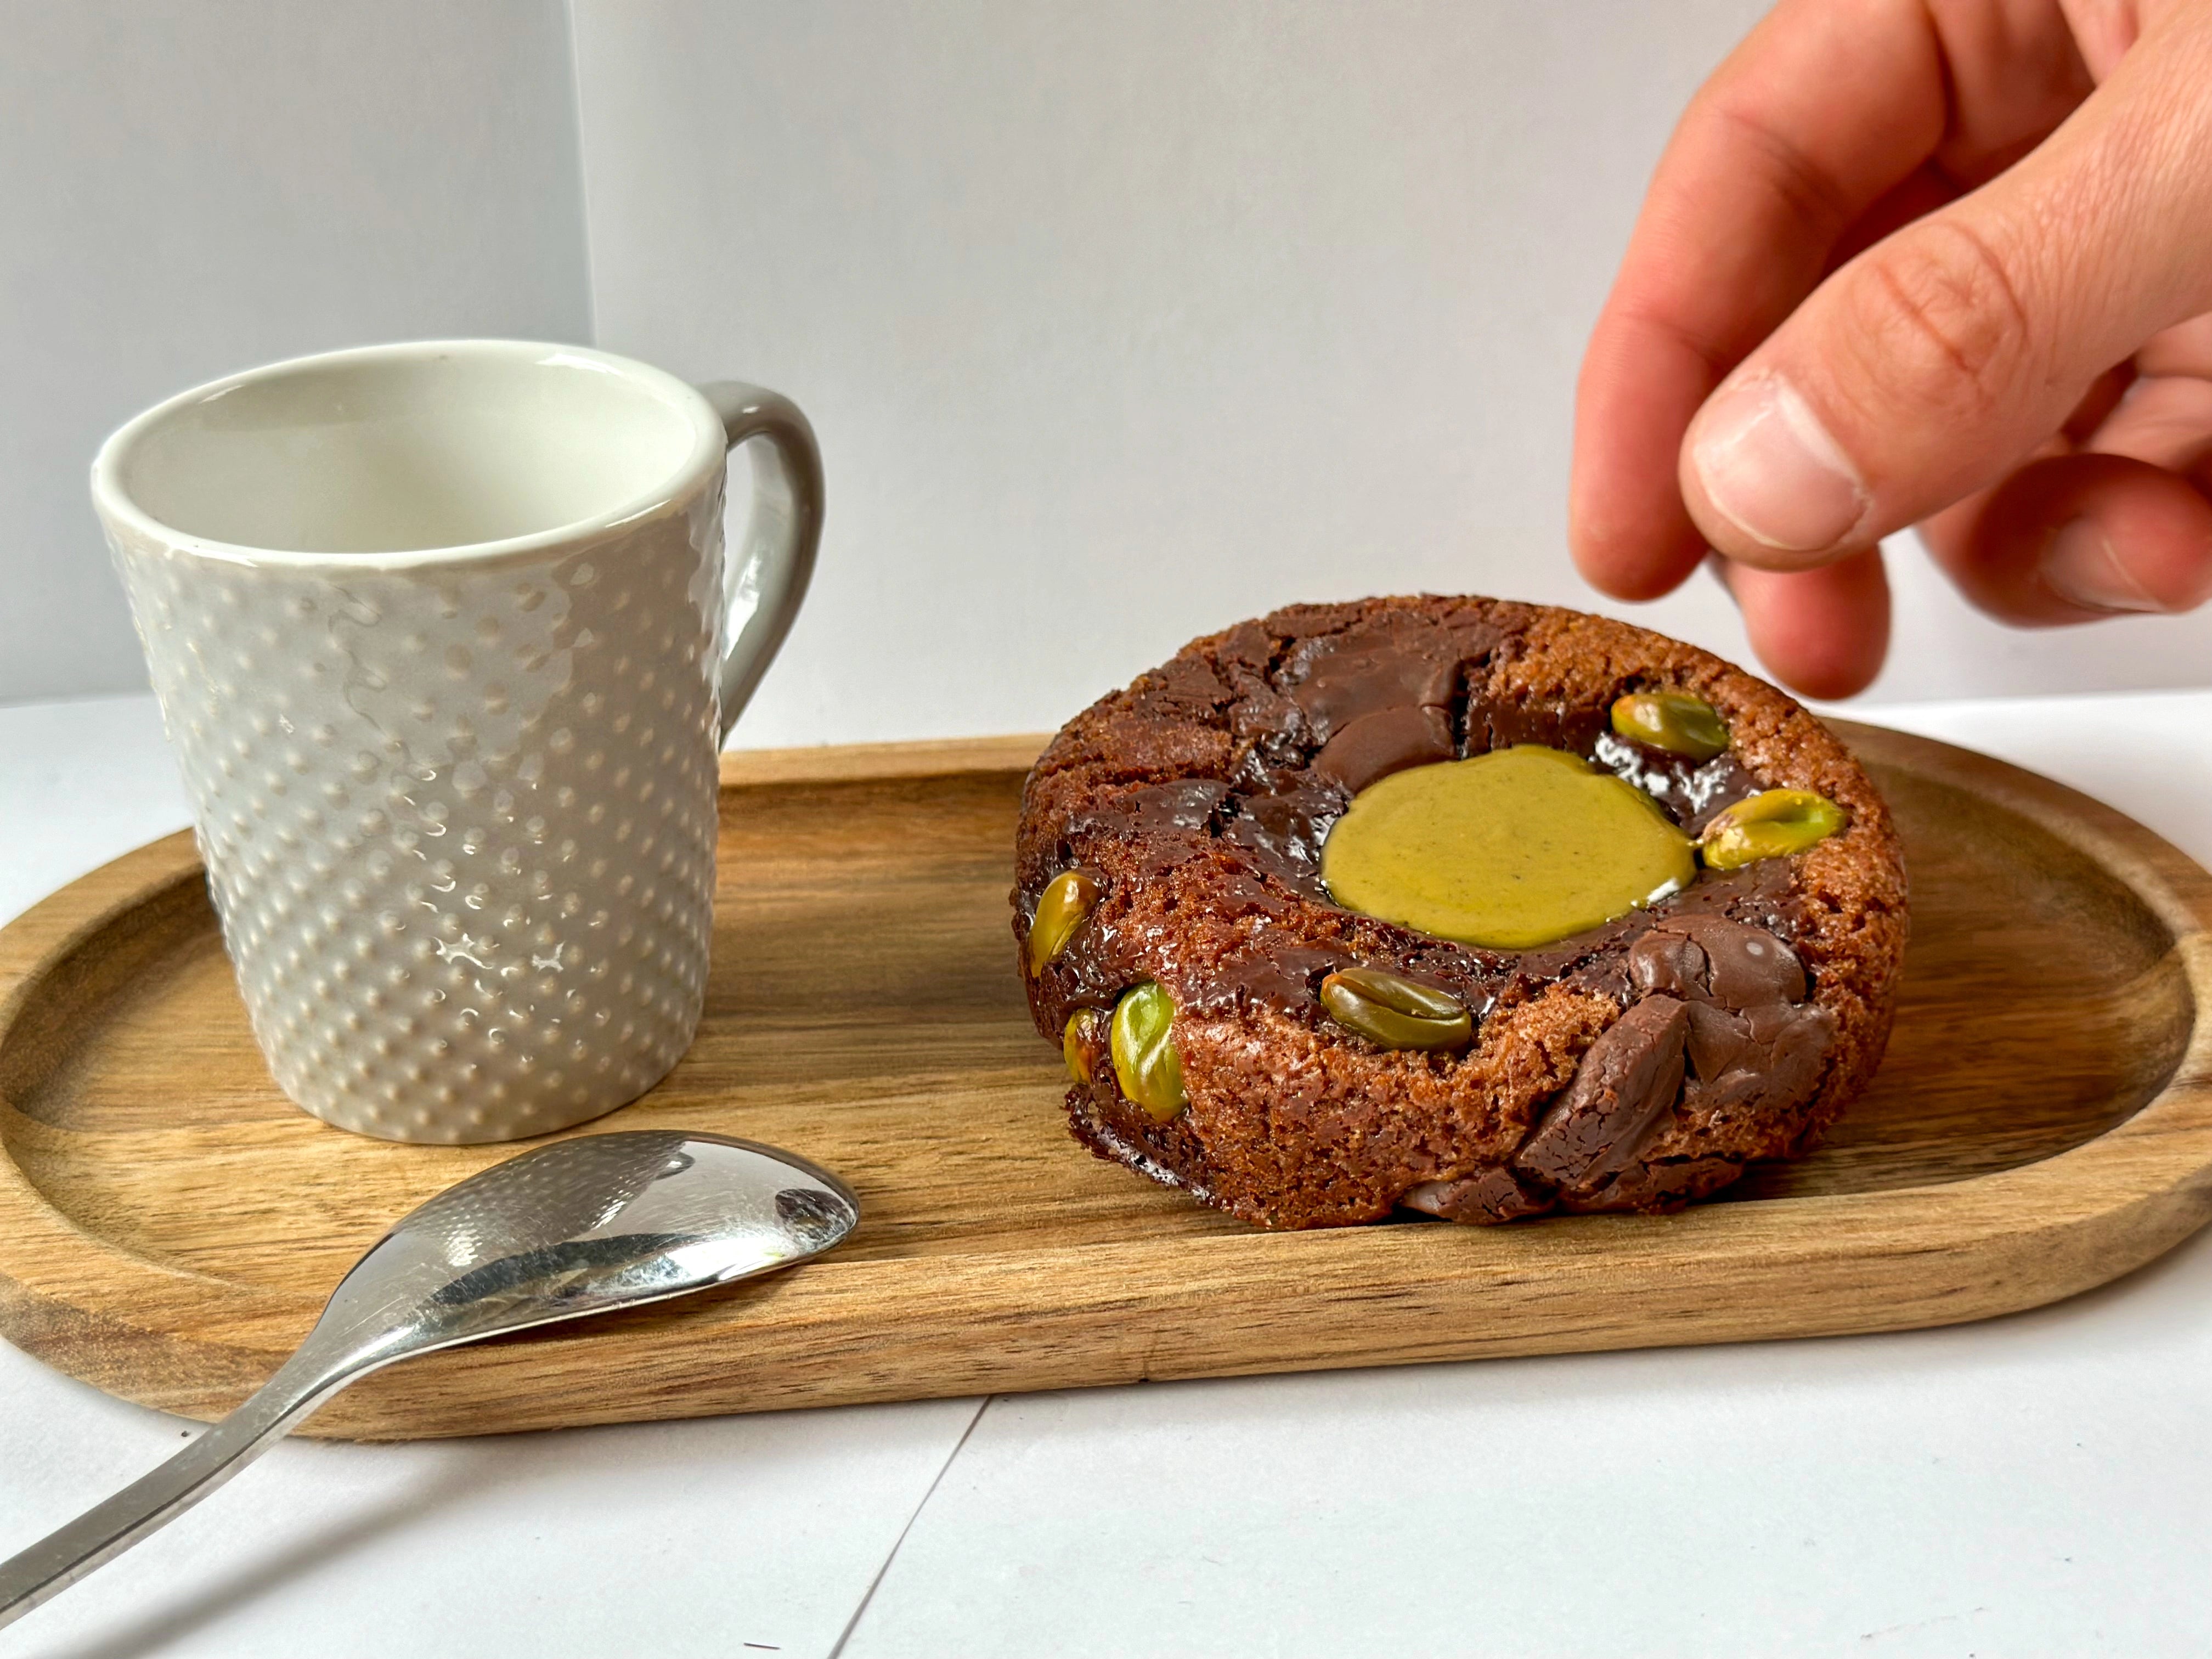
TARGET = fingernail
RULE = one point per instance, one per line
(2081, 568)
(1771, 469)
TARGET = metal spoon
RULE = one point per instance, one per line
(580, 1227)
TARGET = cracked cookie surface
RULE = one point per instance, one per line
(1637, 1065)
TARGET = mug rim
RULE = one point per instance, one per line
(709, 453)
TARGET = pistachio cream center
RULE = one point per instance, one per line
(1510, 850)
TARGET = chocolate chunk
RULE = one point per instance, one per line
(1760, 895)
(1501, 724)
(1626, 1083)
(1494, 1196)
(1280, 977)
(1152, 809)
(1269, 725)
(1396, 661)
(1718, 1040)
(1262, 720)
(1775, 1070)
(1375, 746)
(1302, 622)
(1181, 688)
(1693, 793)
(1664, 1186)
(1712, 959)
(1282, 834)
(1245, 650)
(1754, 1044)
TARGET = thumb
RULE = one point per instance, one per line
(1935, 362)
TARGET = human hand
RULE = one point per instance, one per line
(1943, 262)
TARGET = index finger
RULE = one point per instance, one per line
(1824, 110)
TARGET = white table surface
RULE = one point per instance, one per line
(2033, 1484)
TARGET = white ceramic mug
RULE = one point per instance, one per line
(443, 639)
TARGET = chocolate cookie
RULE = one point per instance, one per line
(1235, 1029)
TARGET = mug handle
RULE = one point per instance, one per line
(772, 569)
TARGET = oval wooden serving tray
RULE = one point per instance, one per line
(169, 1223)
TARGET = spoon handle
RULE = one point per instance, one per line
(106, 1530)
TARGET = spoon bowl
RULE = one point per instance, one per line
(583, 1226)
(580, 1227)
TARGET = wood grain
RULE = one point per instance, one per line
(169, 1223)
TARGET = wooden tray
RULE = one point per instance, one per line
(169, 1223)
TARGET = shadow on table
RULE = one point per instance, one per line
(185, 1611)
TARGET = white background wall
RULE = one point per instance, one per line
(1119, 321)
(192, 187)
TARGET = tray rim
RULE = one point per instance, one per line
(2013, 1238)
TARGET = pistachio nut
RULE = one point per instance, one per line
(1673, 721)
(1770, 824)
(1079, 1041)
(1146, 1063)
(1068, 898)
(1393, 1012)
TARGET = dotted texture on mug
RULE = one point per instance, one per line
(459, 820)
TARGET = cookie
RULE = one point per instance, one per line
(1287, 903)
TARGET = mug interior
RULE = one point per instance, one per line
(403, 449)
